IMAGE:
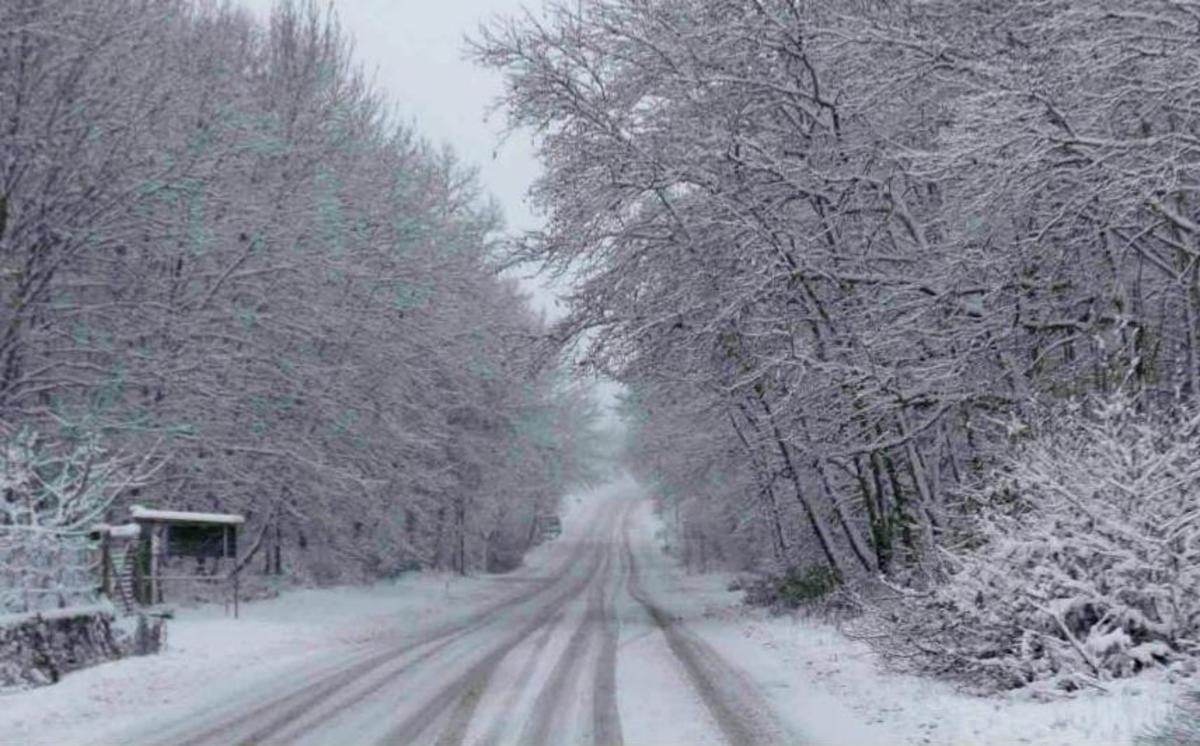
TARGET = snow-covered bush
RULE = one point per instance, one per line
(795, 588)
(1082, 561)
(51, 494)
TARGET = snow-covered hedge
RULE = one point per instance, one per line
(1083, 561)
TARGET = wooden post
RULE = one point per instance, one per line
(236, 573)
(138, 579)
(106, 569)
(266, 543)
(155, 548)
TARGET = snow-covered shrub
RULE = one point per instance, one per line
(51, 494)
(795, 588)
(1082, 562)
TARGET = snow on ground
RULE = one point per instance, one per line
(656, 702)
(822, 684)
(832, 689)
(209, 654)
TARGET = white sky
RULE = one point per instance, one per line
(413, 50)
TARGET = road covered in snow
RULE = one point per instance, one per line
(601, 638)
(573, 649)
(536, 667)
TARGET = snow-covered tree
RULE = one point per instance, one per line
(214, 234)
(1081, 562)
(52, 494)
(848, 241)
(864, 230)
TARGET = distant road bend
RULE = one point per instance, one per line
(581, 654)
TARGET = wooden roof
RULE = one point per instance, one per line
(146, 515)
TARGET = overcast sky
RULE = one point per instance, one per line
(413, 50)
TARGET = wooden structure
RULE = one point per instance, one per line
(118, 563)
(549, 526)
(136, 557)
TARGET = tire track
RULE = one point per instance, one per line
(284, 711)
(606, 718)
(461, 698)
(599, 618)
(477, 677)
(743, 718)
(492, 737)
(547, 707)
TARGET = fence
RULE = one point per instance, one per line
(42, 569)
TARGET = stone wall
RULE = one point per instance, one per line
(37, 649)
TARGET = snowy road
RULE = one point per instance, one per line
(578, 654)
(601, 638)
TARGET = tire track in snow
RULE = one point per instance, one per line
(284, 711)
(524, 676)
(470, 685)
(453, 707)
(547, 706)
(606, 718)
(552, 701)
(742, 716)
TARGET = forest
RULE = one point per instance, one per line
(232, 281)
(906, 298)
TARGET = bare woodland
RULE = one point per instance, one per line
(231, 281)
(906, 298)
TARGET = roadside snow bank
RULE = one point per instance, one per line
(209, 654)
(834, 691)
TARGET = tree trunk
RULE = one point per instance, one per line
(766, 492)
(816, 522)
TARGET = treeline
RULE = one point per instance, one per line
(861, 263)
(217, 246)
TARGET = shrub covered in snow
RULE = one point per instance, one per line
(51, 494)
(1082, 562)
(793, 589)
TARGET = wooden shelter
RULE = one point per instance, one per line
(136, 558)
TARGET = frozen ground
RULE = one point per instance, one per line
(599, 639)
(210, 656)
(831, 689)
